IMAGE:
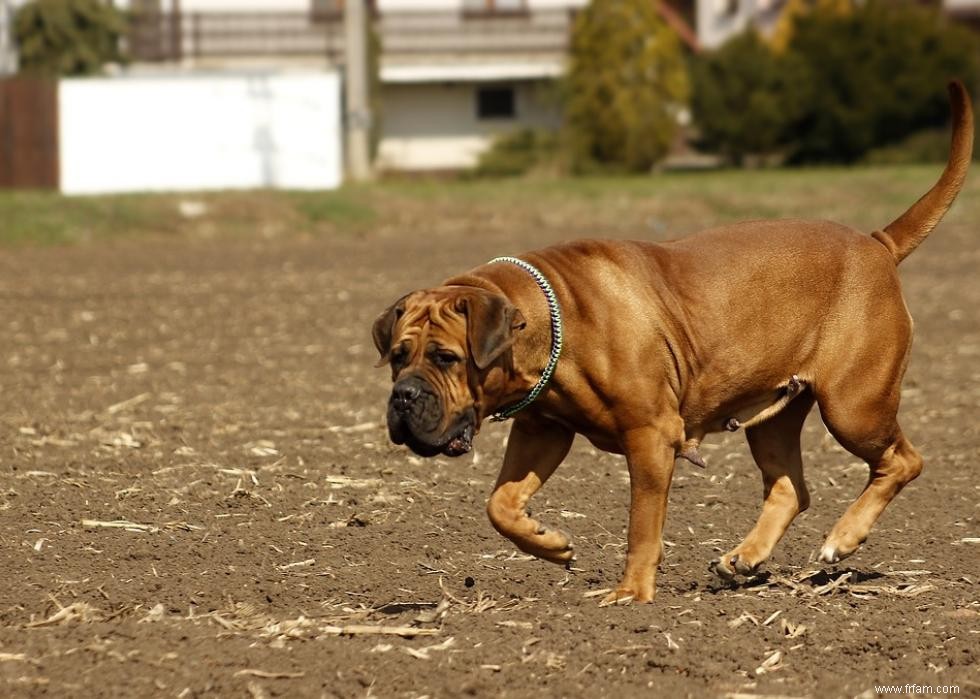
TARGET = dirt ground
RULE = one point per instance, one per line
(220, 397)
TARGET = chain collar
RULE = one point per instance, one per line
(554, 310)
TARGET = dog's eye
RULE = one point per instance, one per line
(444, 358)
(399, 356)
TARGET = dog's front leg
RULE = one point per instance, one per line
(650, 456)
(534, 450)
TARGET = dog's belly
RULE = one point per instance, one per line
(754, 408)
(604, 441)
(744, 412)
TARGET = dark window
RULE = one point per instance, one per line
(495, 103)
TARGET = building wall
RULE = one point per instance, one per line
(229, 5)
(956, 5)
(556, 4)
(718, 20)
(456, 5)
(383, 5)
(434, 126)
(199, 132)
(243, 5)
(8, 56)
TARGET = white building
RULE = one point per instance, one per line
(172, 128)
(966, 11)
(454, 73)
(719, 20)
(971, 6)
(199, 131)
(8, 57)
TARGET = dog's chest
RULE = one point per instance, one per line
(600, 432)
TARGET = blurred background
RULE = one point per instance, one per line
(101, 97)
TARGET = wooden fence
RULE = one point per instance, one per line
(28, 133)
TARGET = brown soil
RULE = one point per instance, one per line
(222, 395)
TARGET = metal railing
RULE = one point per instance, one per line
(474, 32)
(157, 37)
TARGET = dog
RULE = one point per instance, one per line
(646, 348)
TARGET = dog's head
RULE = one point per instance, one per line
(442, 344)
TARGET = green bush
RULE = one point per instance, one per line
(744, 98)
(518, 153)
(67, 37)
(875, 76)
(626, 83)
(930, 146)
(847, 83)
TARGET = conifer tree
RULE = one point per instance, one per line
(627, 84)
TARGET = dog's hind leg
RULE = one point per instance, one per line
(861, 414)
(775, 446)
(891, 470)
(534, 450)
(894, 463)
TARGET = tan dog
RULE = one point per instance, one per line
(741, 326)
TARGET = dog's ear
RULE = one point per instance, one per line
(491, 322)
(383, 328)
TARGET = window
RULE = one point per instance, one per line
(495, 103)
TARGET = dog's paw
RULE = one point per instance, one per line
(743, 566)
(617, 598)
(831, 554)
(732, 564)
(719, 568)
(622, 596)
(552, 545)
(838, 547)
(630, 590)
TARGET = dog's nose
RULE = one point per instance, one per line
(403, 395)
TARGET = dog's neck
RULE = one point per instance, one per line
(517, 371)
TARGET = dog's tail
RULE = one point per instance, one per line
(904, 234)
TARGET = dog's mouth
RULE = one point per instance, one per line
(461, 442)
(457, 441)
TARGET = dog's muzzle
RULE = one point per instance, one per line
(415, 414)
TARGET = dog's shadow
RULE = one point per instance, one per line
(396, 608)
(813, 582)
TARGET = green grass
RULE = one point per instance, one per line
(44, 218)
(347, 207)
(866, 197)
(32, 217)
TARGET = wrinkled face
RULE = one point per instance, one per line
(439, 343)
